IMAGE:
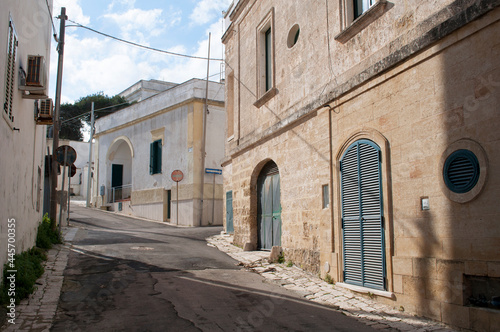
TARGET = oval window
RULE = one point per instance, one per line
(461, 171)
(293, 36)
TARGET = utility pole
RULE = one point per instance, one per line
(204, 138)
(55, 139)
(90, 154)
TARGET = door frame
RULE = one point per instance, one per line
(336, 239)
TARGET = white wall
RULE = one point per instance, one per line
(22, 142)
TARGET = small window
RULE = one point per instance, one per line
(361, 6)
(356, 15)
(461, 171)
(10, 72)
(326, 196)
(265, 60)
(155, 157)
(293, 36)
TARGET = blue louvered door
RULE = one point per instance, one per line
(269, 207)
(362, 217)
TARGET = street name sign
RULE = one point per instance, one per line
(213, 171)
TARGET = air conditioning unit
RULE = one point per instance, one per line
(34, 80)
(44, 108)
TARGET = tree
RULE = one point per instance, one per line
(74, 116)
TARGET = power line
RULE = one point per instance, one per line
(139, 45)
(52, 20)
(86, 113)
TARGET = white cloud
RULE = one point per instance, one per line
(184, 70)
(73, 10)
(134, 21)
(126, 3)
(208, 10)
(93, 63)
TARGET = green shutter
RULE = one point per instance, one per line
(361, 195)
(151, 157)
(155, 157)
(158, 156)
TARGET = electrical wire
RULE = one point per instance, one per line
(52, 20)
(86, 113)
(139, 45)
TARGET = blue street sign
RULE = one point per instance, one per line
(213, 171)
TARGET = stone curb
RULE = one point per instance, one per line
(365, 310)
(36, 313)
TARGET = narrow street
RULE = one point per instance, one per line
(125, 274)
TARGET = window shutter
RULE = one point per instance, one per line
(371, 220)
(351, 218)
(10, 71)
(151, 157)
(158, 156)
(361, 197)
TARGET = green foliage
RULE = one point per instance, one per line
(289, 264)
(28, 264)
(281, 258)
(72, 129)
(29, 268)
(46, 235)
(329, 279)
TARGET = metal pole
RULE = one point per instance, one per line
(90, 154)
(204, 138)
(177, 212)
(55, 142)
(69, 189)
(213, 202)
(62, 187)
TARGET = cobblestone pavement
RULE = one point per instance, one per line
(369, 312)
(35, 314)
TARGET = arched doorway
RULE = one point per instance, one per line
(119, 170)
(268, 207)
(362, 215)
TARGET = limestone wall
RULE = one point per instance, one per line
(421, 80)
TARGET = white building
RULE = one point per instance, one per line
(140, 146)
(25, 30)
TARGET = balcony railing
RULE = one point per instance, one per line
(120, 193)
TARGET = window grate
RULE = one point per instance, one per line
(461, 171)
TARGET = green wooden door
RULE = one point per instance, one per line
(269, 207)
(229, 212)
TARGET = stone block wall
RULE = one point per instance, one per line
(421, 81)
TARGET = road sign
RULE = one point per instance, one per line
(213, 171)
(70, 157)
(177, 176)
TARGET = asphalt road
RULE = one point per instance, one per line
(125, 274)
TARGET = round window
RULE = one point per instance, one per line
(461, 171)
(293, 36)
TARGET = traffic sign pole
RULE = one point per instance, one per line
(69, 188)
(62, 187)
(177, 200)
(177, 176)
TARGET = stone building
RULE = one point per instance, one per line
(25, 36)
(362, 138)
(140, 146)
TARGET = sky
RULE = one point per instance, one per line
(94, 63)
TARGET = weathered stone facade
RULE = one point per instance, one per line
(418, 80)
